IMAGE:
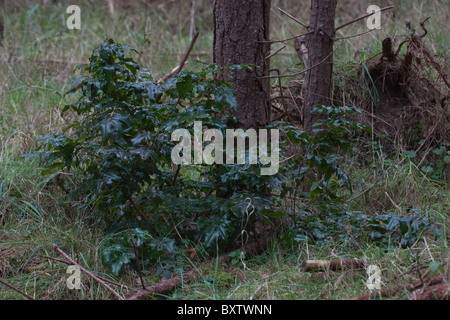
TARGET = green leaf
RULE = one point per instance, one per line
(427, 169)
(272, 213)
(410, 154)
(439, 151)
(404, 226)
(116, 256)
(299, 238)
(218, 230)
(133, 67)
(154, 91)
(434, 266)
(184, 85)
(393, 224)
(140, 236)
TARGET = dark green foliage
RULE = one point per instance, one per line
(120, 147)
(437, 164)
(319, 163)
(119, 151)
(392, 229)
(121, 248)
(386, 230)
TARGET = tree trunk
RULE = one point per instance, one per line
(1, 29)
(239, 28)
(318, 82)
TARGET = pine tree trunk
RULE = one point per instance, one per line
(318, 82)
(1, 30)
(239, 28)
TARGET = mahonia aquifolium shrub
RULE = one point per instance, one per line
(120, 146)
(119, 151)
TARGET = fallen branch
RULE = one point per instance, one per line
(437, 292)
(163, 287)
(167, 285)
(392, 291)
(333, 265)
(100, 277)
(90, 274)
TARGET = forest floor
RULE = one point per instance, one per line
(37, 58)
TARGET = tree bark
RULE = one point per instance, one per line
(240, 26)
(2, 29)
(320, 40)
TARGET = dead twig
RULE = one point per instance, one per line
(138, 210)
(17, 290)
(293, 18)
(363, 17)
(177, 172)
(353, 36)
(192, 29)
(87, 272)
(419, 44)
(104, 279)
(133, 243)
(429, 135)
(275, 53)
(167, 285)
(392, 291)
(111, 7)
(301, 72)
(178, 69)
(393, 202)
(435, 292)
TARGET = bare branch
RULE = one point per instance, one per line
(293, 18)
(301, 72)
(178, 69)
(354, 36)
(15, 289)
(363, 17)
(276, 52)
(93, 276)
